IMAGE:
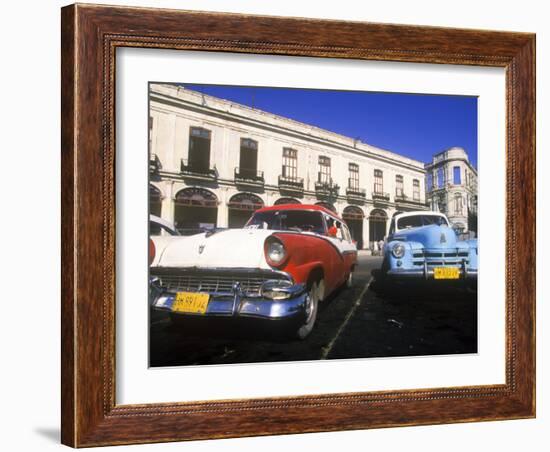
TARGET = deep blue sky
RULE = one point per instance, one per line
(414, 125)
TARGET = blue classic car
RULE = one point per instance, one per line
(422, 245)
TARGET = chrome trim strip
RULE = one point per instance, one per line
(156, 271)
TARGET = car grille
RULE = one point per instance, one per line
(440, 257)
(214, 282)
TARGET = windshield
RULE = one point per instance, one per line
(420, 220)
(288, 220)
(160, 229)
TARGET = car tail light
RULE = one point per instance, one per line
(275, 251)
(152, 251)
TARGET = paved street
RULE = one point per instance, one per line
(353, 323)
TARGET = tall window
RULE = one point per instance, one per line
(399, 186)
(248, 163)
(353, 176)
(458, 204)
(324, 169)
(290, 163)
(440, 178)
(199, 149)
(430, 181)
(416, 189)
(378, 181)
(441, 204)
(456, 175)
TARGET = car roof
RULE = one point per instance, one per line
(300, 207)
(419, 212)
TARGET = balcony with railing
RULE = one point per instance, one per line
(325, 188)
(154, 163)
(291, 184)
(403, 200)
(250, 177)
(380, 197)
(354, 193)
(192, 170)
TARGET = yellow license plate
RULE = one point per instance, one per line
(446, 273)
(190, 302)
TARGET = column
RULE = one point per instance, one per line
(366, 242)
(167, 205)
(223, 211)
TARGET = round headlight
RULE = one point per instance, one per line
(275, 252)
(398, 250)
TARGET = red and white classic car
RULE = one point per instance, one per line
(286, 260)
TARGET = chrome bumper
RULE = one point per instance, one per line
(413, 273)
(428, 274)
(240, 305)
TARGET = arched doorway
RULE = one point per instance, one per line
(281, 201)
(326, 205)
(241, 207)
(196, 209)
(353, 216)
(155, 200)
(377, 226)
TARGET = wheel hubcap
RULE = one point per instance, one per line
(309, 305)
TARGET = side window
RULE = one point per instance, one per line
(456, 175)
(392, 227)
(347, 235)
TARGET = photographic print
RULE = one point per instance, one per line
(297, 224)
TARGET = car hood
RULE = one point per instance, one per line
(230, 248)
(432, 236)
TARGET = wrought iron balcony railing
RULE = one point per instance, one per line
(400, 197)
(197, 171)
(291, 184)
(403, 198)
(356, 192)
(248, 176)
(154, 163)
(380, 196)
(326, 188)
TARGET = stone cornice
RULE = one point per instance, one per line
(229, 116)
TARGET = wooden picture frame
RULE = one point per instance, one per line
(90, 36)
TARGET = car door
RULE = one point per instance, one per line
(349, 250)
(346, 252)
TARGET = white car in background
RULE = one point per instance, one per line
(160, 226)
(160, 232)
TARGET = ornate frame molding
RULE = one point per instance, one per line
(90, 37)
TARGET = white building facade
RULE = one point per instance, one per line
(451, 188)
(213, 162)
